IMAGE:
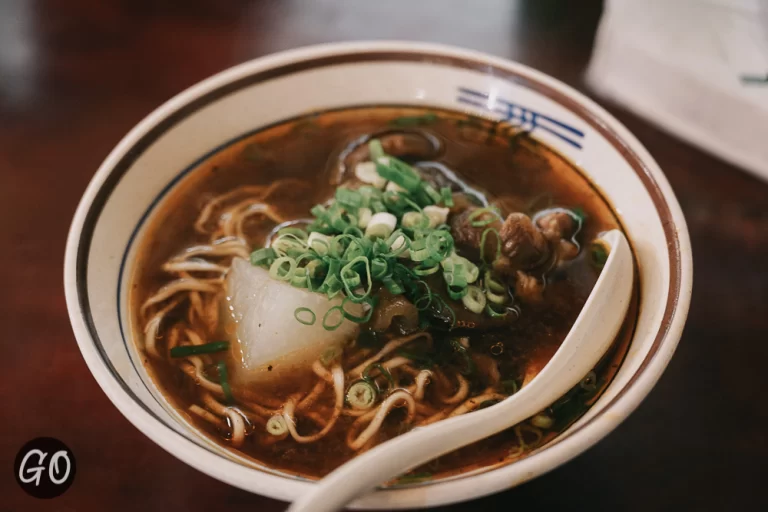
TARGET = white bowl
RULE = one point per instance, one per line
(166, 145)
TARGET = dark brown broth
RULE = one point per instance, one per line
(522, 173)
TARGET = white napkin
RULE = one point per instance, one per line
(696, 68)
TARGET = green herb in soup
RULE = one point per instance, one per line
(328, 283)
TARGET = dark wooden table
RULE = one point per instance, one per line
(76, 75)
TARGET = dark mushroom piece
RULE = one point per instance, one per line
(559, 227)
(523, 246)
(394, 312)
(467, 237)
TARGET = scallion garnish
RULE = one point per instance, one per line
(474, 299)
(483, 216)
(493, 312)
(333, 318)
(196, 350)
(383, 371)
(282, 268)
(224, 382)
(261, 257)
(598, 255)
(367, 238)
(301, 316)
(368, 305)
(447, 196)
(362, 395)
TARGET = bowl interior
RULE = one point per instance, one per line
(167, 145)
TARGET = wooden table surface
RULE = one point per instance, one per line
(77, 75)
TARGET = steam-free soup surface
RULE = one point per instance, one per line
(196, 283)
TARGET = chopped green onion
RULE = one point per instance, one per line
(288, 245)
(394, 287)
(494, 291)
(379, 267)
(482, 244)
(351, 278)
(489, 213)
(405, 239)
(358, 319)
(263, 256)
(397, 243)
(430, 191)
(598, 254)
(319, 211)
(398, 172)
(332, 326)
(459, 271)
(316, 269)
(276, 425)
(277, 270)
(196, 350)
(493, 313)
(474, 299)
(492, 284)
(297, 232)
(495, 298)
(350, 199)
(543, 421)
(579, 213)
(457, 292)
(440, 245)
(300, 279)
(426, 271)
(413, 220)
(361, 395)
(364, 217)
(375, 149)
(305, 321)
(447, 196)
(383, 371)
(224, 382)
(419, 251)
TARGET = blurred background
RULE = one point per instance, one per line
(688, 78)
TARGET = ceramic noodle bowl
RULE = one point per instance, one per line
(162, 154)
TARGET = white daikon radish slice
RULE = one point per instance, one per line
(270, 340)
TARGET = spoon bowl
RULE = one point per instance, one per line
(591, 335)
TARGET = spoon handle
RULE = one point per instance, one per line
(416, 447)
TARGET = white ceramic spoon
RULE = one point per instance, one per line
(593, 332)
